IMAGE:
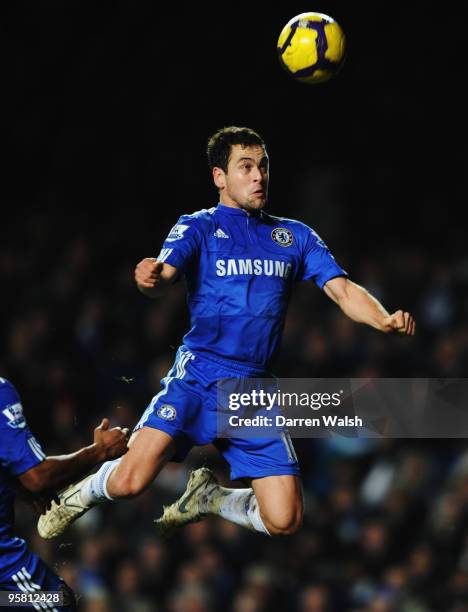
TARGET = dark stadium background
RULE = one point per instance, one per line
(107, 109)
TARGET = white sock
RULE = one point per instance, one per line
(95, 490)
(239, 506)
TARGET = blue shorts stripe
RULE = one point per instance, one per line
(177, 371)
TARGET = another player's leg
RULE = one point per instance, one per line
(149, 451)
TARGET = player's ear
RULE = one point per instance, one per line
(219, 177)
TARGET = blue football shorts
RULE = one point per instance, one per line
(33, 577)
(185, 408)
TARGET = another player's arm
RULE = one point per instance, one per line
(360, 306)
(58, 472)
(152, 276)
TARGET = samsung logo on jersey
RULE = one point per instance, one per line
(257, 267)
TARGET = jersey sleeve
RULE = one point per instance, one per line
(182, 244)
(19, 449)
(317, 262)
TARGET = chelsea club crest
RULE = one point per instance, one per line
(282, 236)
(167, 412)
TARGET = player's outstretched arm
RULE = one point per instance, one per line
(60, 471)
(360, 306)
(151, 276)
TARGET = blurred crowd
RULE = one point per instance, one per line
(385, 527)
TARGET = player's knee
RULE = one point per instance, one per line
(128, 485)
(285, 528)
(286, 523)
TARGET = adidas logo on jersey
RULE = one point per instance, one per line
(220, 234)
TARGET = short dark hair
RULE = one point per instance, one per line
(219, 145)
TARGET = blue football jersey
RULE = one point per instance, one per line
(19, 452)
(239, 270)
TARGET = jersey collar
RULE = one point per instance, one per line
(229, 210)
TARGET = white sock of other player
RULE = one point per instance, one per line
(95, 490)
(239, 506)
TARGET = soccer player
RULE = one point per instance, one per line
(239, 265)
(23, 462)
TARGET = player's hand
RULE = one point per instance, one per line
(111, 442)
(400, 322)
(148, 273)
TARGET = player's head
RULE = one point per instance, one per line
(239, 163)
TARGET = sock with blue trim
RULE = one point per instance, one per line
(95, 490)
(239, 506)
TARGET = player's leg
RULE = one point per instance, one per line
(272, 506)
(274, 503)
(149, 451)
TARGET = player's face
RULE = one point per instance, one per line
(245, 184)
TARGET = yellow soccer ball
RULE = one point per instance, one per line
(311, 47)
